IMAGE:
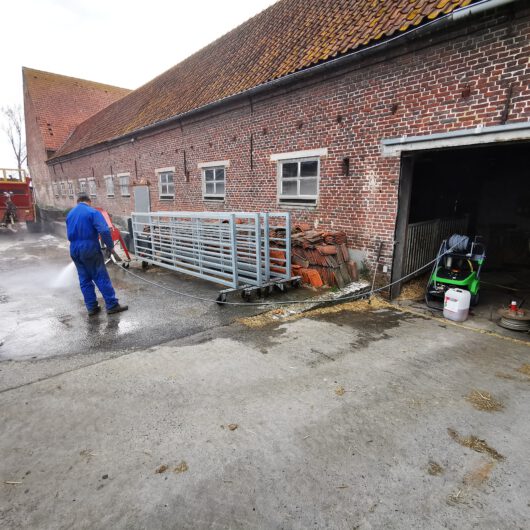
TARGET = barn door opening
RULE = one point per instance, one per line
(481, 190)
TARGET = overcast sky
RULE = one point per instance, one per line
(120, 42)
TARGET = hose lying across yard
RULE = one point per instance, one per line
(346, 298)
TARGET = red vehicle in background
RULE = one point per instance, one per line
(16, 198)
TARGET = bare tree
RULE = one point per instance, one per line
(13, 127)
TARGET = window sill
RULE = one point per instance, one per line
(166, 198)
(297, 206)
(110, 196)
(125, 196)
(213, 199)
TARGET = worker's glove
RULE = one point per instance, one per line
(107, 253)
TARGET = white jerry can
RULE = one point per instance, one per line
(456, 304)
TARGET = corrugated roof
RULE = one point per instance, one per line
(290, 35)
(61, 103)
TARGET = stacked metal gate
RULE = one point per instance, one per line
(231, 249)
(424, 239)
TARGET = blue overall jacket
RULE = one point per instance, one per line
(83, 226)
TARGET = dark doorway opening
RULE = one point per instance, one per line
(480, 190)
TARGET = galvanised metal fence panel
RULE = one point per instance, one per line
(248, 245)
(192, 243)
(278, 228)
(232, 249)
(275, 236)
(424, 239)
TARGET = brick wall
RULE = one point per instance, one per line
(455, 80)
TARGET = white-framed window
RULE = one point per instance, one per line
(166, 184)
(55, 187)
(214, 179)
(109, 185)
(70, 186)
(82, 186)
(123, 181)
(298, 176)
(298, 180)
(63, 188)
(92, 187)
(213, 182)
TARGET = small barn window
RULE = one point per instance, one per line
(213, 183)
(298, 180)
(166, 184)
(92, 187)
(70, 185)
(123, 180)
(82, 186)
(109, 185)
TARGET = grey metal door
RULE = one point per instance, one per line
(142, 202)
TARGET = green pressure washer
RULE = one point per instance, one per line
(458, 265)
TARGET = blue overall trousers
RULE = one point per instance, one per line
(83, 225)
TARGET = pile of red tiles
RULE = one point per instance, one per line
(321, 257)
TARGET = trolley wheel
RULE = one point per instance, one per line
(221, 298)
(474, 299)
(125, 265)
(280, 287)
(245, 295)
(145, 265)
(296, 283)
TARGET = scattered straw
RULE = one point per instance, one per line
(161, 469)
(478, 445)
(483, 400)
(414, 290)
(435, 468)
(288, 315)
(181, 468)
(504, 375)
(525, 369)
(456, 498)
(340, 391)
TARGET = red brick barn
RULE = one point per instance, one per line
(369, 117)
(54, 105)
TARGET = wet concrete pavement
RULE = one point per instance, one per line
(340, 420)
(45, 328)
(343, 419)
(43, 319)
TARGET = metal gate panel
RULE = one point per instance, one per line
(198, 245)
(142, 202)
(232, 249)
(277, 227)
(424, 240)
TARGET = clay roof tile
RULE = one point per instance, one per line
(289, 36)
(61, 103)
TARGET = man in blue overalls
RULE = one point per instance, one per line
(83, 226)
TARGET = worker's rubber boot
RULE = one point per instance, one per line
(117, 309)
(94, 311)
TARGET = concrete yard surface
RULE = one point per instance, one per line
(344, 420)
(43, 317)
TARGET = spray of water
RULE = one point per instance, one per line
(66, 278)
